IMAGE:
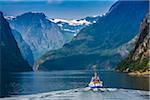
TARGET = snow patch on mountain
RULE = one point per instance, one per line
(72, 22)
(9, 17)
(41, 34)
(70, 30)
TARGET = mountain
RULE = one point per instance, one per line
(138, 59)
(24, 47)
(93, 19)
(11, 58)
(73, 27)
(125, 49)
(38, 33)
(98, 43)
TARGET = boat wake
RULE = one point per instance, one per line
(85, 94)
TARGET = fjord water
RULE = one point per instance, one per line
(40, 82)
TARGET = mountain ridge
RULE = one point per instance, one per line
(40, 34)
(37, 33)
(138, 59)
(99, 39)
(11, 58)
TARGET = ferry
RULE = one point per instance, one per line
(95, 83)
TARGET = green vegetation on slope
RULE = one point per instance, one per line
(98, 43)
(138, 59)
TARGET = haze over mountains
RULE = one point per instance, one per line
(58, 44)
(36, 34)
(98, 43)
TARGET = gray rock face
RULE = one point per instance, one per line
(35, 34)
(98, 43)
(24, 47)
(138, 59)
(38, 33)
(11, 58)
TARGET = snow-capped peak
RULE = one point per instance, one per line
(9, 17)
(71, 22)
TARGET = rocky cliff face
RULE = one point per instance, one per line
(38, 32)
(24, 47)
(11, 58)
(35, 34)
(99, 42)
(138, 59)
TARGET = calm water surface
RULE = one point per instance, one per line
(39, 82)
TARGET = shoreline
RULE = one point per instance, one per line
(140, 74)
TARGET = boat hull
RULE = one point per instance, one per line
(95, 87)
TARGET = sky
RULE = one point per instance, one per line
(65, 9)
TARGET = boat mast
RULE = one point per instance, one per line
(94, 70)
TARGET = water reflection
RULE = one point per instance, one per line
(37, 82)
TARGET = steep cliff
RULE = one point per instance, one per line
(11, 58)
(40, 34)
(139, 58)
(36, 34)
(99, 42)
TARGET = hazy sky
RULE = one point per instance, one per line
(67, 9)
